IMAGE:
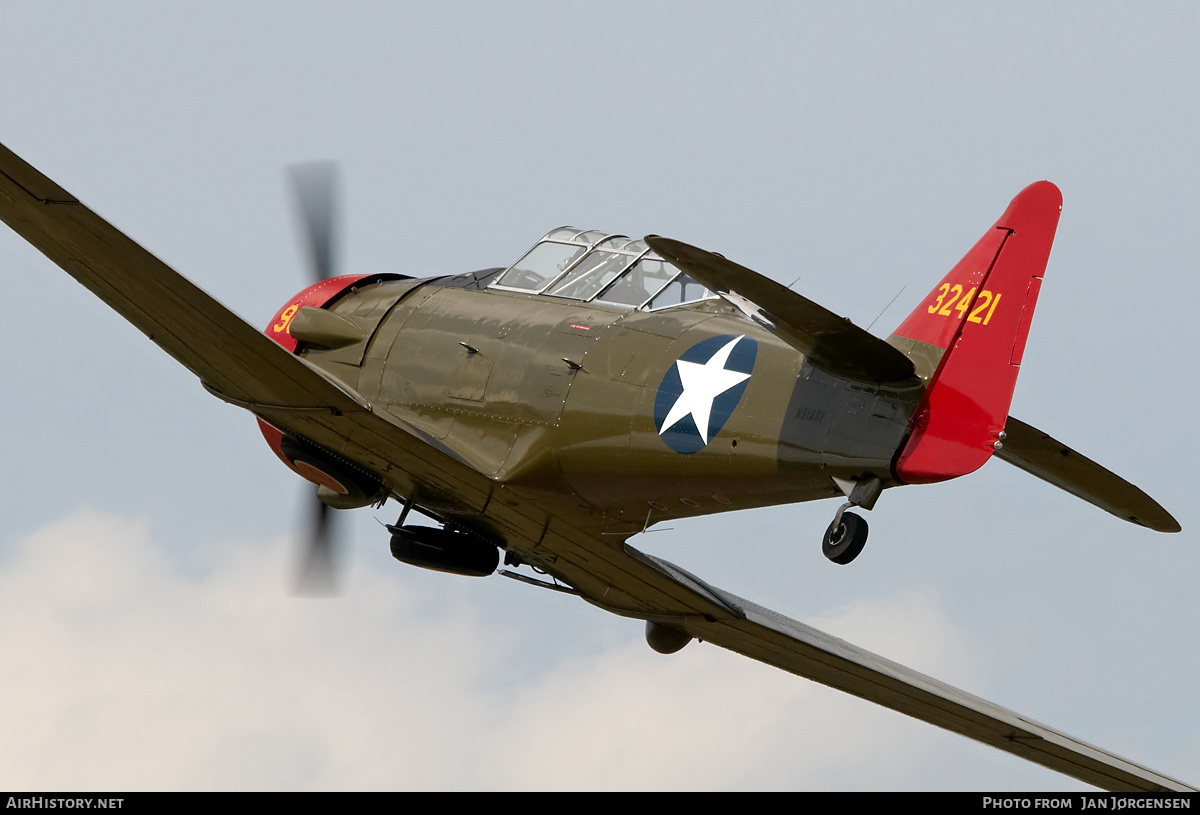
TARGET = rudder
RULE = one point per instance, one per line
(967, 339)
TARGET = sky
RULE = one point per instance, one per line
(147, 636)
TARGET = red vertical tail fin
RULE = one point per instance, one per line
(967, 337)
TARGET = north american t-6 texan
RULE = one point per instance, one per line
(546, 412)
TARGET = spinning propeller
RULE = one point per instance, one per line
(314, 187)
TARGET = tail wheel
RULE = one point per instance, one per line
(845, 538)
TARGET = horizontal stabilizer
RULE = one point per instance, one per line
(1050, 460)
(829, 342)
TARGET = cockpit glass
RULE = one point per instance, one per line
(591, 274)
(683, 289)
(540, 265)
(600, 267)
(640, 283)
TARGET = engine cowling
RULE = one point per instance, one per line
(343, 484)
(319, 295)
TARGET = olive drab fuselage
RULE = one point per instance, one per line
(558, 397)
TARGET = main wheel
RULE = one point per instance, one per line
(844, 539)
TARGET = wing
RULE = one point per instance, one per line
(1038, 454)
(769, 637)
(625, 581)
(830, 342)
(232, 359)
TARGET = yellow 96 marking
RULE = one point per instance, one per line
(285, 319)
(950, 299)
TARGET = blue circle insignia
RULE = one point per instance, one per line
(701, 389)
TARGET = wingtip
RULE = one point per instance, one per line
(663, 246)
(1154, 517)
(1167, 524)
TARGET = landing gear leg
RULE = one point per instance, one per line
(408, 505)
(847, 535)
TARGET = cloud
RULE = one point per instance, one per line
(127, 666)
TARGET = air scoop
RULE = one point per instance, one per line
(324, 329)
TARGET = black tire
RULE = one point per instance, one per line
(845, 539)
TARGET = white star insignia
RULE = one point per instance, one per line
(701, 385)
